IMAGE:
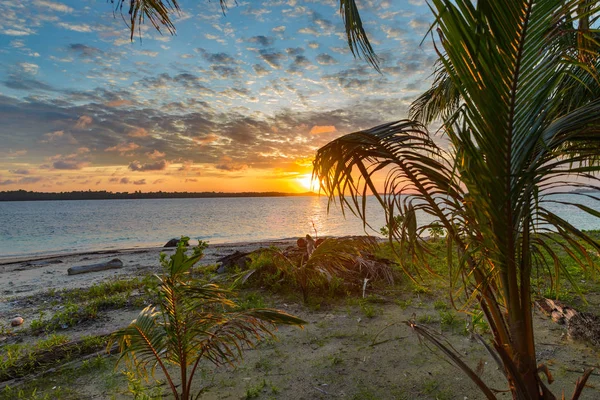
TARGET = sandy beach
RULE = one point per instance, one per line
(27, 276)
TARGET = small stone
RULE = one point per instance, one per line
(16, 321)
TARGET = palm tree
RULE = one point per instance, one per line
(192, 322)
(516, 90)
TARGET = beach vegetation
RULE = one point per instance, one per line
(334, 266)
(192, 321)
(516, 95)
(19, 359)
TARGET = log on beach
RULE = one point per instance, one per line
(82, 269)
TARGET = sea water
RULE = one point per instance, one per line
(32, 228)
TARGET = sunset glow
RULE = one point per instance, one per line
(307, 182)
(231, 103)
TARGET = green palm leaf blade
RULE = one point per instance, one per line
(144, 342)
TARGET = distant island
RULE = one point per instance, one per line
(23, 195)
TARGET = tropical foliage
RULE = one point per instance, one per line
(192, 322)
(516, 92)
(331, 262)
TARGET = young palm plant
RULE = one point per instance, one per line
(192, 322)
(516, 90)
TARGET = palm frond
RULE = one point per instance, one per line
(358, 41)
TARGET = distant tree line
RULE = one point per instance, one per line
(23, 195)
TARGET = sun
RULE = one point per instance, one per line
(307, 182)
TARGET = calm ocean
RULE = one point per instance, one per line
(48, 227)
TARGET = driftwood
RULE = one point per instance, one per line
(580, 325)
(82, 269)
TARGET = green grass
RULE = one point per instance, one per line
(18, 360)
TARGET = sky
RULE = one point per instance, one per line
(231, 103)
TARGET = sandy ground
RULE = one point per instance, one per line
(343, 352)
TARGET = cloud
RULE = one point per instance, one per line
(226, 164)
(123, 148)
(156, 166)
(294, 51)
(119, 103)
(19, 171)
(84, 51)
(208, 139)
(82, 28)
(148, 53)
(393, 32)
(262, 40)
(83, 122)
(216, 58)
(140, 182)
(137, 132)
(326, 59)
(29, 68)
(54, 6)
(313, 45)
(279, 29)
(22, 31)
(420, 24)
(155, 154)
(272, 58)
(260, 70)
(68, 164)
(52, 136)
(317, 130)
(25, 82)
(28, 180)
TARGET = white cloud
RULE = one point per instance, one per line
(75, 27)
(29, 68)
(54, 6)
(147, 53)
(17, 43)
(18, 32)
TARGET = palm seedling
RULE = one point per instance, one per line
(516, 92)
(192, 322)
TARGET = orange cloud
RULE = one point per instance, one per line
(83, 122)
(155, 154)
(210, 138)
(123, 147)
(137, 132)
(118, 103)
(317, 129)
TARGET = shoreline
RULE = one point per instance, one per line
(27, 276)
(130, 250)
